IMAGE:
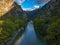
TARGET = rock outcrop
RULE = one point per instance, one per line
(5, 6)
(11, 8)
(17, 11)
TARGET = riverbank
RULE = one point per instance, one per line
(9, 25)
(11, 39)
(29, 37)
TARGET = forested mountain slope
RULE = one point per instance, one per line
(12, 18)
(47, 22)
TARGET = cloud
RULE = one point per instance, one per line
(19, 1)
(27, 9)
(41, 1)
(31, 9)
(36, 6)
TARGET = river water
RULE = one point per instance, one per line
(29, 37)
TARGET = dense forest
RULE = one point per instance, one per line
(10, 24)
(47, 23)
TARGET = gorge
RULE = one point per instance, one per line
(40, 26)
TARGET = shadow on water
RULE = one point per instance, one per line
(29, 37)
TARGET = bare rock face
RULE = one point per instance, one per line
(9, 7)
(5, 6)
(16, 10)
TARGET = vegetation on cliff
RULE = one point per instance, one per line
(11, 19)
(8, 25)
(47, 23)
(5, 6)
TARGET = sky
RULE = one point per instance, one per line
(31, 4)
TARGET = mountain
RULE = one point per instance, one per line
(47, 23)
(48, 6)
(11, 8)
(12, 18)
(16, 10)
(51, 8)
(5, 6)
(34, 12)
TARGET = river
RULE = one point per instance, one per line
(29, 36)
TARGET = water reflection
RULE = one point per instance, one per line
(29, 37)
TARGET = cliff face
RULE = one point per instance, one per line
(17, 11)
(11, 8)
(5, 6)
(12, 18)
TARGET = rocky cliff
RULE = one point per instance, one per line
(17, 11)
(11, 8)
(5, 6)
(12, 18)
